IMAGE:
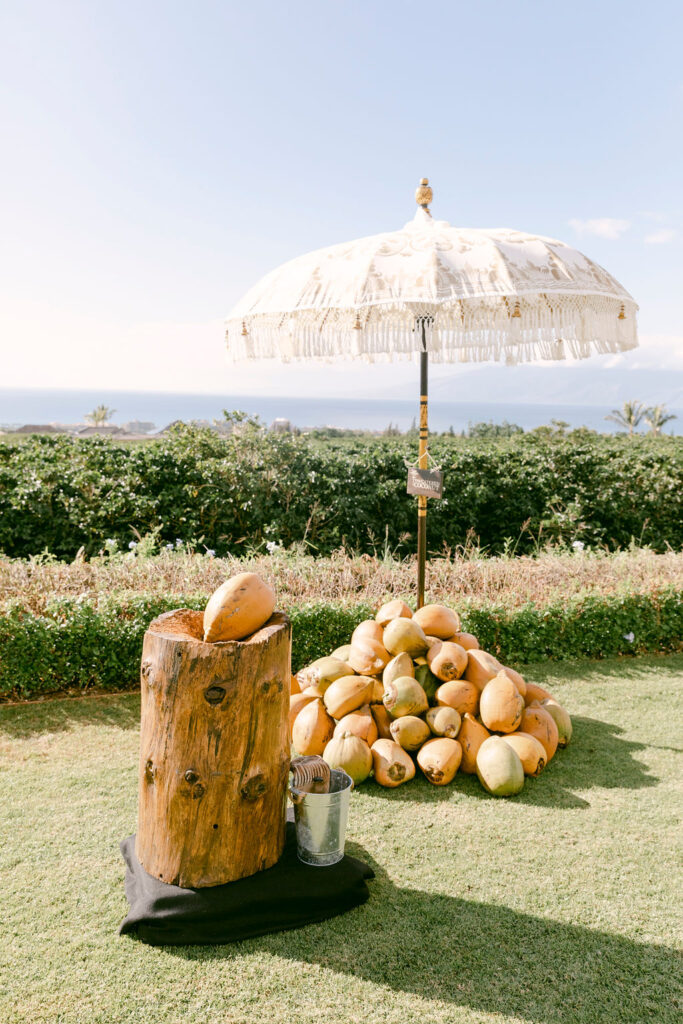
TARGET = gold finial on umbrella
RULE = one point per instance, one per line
(423, 195)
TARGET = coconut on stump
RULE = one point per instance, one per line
(214, 753)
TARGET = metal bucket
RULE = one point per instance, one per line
(320, 820)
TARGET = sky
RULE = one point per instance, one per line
(160, 157)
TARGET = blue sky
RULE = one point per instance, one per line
(160, 157)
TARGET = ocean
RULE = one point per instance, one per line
(22, 406)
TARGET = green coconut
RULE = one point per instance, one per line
(562, 720)
(410, 732)
(443, 721)
(322, 673)
(401, 665)
(427, 680)
(350, 753)
(405, 696)
(499, 768)
(405, 635)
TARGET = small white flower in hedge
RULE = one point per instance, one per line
(178, 542)
(630, 637)
(169, 547)
(272, 546)
(132, 545)
(210, 553)
(110, 543)
(578, 545)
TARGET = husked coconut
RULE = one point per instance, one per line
(448, 661)
(368, 628)
(437, 620)
(360, 723)
(501, 704)
(368, 657)
(347, 694)
(391, 763)
(460, 695)
(537, 722)
(439, 760)
(470, 737)
(516, 678)
(410, 731)
(312, 729)
(529, 750)
(393, 610)
(466, 640)
(443, 721)
(481, 667)
(238, 608)
(377, 691)
(383, 721)
(297, 701)
(534, 692)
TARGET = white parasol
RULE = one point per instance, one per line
(452, 294)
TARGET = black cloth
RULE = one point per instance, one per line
(288, 895)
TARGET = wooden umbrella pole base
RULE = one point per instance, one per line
(214, 753)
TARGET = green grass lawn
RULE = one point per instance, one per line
(557, 906)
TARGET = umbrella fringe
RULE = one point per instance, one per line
(511, 330)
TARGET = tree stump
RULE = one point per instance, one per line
(214, 751)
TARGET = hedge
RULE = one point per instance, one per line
(77, 645)
(239, 493)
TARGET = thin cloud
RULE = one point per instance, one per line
(661, 237)
(602, 227)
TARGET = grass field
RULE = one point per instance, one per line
(557, 906)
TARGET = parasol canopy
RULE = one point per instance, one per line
(435, 292)
(483, 294)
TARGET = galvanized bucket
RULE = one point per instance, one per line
(320, 820)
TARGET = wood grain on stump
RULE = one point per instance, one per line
(214, 753)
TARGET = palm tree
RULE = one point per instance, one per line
(657, 417)
(100, 415)
(629, 416)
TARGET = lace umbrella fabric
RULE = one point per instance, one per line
(483, 294)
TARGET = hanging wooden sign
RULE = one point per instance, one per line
(425, 482)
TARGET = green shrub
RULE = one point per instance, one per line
(76, 645)
(233, 494)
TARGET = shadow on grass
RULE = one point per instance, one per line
(597, 757)
(21, 721)
(490, 958)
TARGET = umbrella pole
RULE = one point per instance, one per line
(423, 464)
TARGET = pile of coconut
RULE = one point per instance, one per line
(416, 688)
